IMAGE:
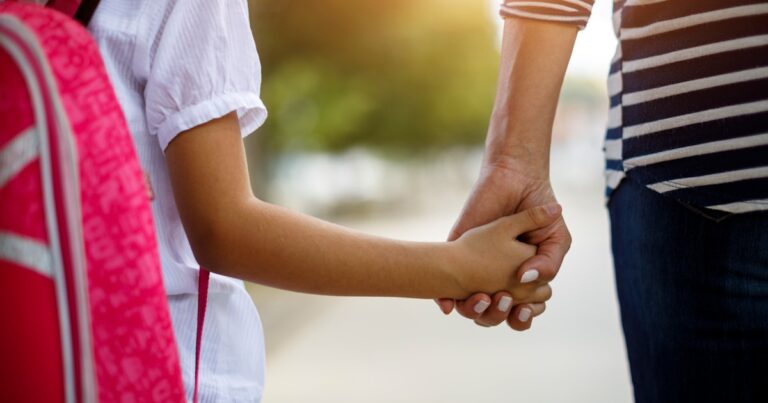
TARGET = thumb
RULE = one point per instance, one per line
(531, 219)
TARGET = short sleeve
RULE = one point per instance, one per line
(203, 64)
(572, 12)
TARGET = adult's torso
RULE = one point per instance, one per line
(689, 101)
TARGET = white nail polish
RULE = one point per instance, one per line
(524, 315)
(504, 303)
(529, 276)
(481, 306)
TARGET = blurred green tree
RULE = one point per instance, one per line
(397, 76)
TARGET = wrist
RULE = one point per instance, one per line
(446, 261)
(506, 171)
(510, 153)
(505, 164)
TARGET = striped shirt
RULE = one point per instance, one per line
(688, 95)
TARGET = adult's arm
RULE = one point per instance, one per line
(515, 170)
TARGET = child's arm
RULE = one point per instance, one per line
(234, 234)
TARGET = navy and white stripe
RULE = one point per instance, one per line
(574, 12)
(689, 100)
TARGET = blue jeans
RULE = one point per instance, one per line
(693, 291)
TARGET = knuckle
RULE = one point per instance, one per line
(469, 314)
(547, 293)
(532, 215)
(567, 239)
(520, 327)
(495, 318)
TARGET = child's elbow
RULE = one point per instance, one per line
(216, 238)
(207, 242)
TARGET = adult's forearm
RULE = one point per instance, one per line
(534, 58)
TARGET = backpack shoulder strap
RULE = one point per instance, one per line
(85, 11)
(202, 302)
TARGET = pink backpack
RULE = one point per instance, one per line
(84, 313)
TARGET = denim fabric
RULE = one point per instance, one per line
(693, 290)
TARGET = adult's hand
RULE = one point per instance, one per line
(502, 189)
(515, 172)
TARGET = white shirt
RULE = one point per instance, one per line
(176, 64)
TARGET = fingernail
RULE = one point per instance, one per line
(553, 209)
(504, 303)
(524, 315)
(481, 306)
(529, 276)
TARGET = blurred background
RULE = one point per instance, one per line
(378, 112)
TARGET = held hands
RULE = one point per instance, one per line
(502, 190)
(486, 258)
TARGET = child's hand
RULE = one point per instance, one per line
(487, 257)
